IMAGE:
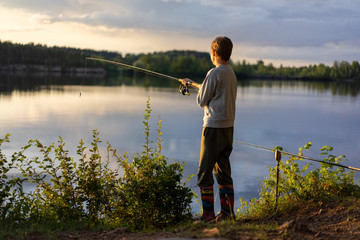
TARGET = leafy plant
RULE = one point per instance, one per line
(151, 188)
(12, 197)
(145, 193)
(300, 184)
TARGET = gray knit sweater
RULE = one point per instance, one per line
(217, 95)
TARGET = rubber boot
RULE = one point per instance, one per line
(207, 200)
(227, 201)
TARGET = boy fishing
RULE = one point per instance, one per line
(217, 96)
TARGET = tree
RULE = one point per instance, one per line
(355, 70)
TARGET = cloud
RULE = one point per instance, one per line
(273, 23)
(281, 28)
(294, 23)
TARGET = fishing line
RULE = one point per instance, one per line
(135, 68)
(184, 89)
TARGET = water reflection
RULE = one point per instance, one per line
(24, 83)
(342, 88)
(30, 83)
(269, 113)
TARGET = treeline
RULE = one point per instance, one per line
(177, 63)
(340, 70)
(172, 62)
(36, 54)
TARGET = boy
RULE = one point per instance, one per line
(217, 95)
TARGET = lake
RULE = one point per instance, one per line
(269, 113)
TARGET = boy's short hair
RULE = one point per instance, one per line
(222, 47)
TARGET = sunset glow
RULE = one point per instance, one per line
(280, 32)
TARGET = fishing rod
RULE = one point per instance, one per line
(184, 89)
(297, 155)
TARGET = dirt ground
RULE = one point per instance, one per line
(330, 220)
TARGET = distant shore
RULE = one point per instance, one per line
(36, 69)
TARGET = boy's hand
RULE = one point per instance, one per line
(184, 81)
(189, 82)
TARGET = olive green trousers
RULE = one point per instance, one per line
(216, 147)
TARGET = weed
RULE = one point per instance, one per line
(300, 185)
(146, 193)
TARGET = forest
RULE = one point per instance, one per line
(176, 62)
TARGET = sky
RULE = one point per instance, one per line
(287, 32)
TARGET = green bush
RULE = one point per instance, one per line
(298, 185)
(146, 193)
(151, 191)
(12, 198)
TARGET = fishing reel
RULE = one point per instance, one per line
(184, 89)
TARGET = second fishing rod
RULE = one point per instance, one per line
(183, 89)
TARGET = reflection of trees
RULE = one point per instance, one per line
(8, 83)
(342, 88)
(29, 83)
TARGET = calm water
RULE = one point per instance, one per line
(269, 113)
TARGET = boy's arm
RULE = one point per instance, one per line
(190, 82)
